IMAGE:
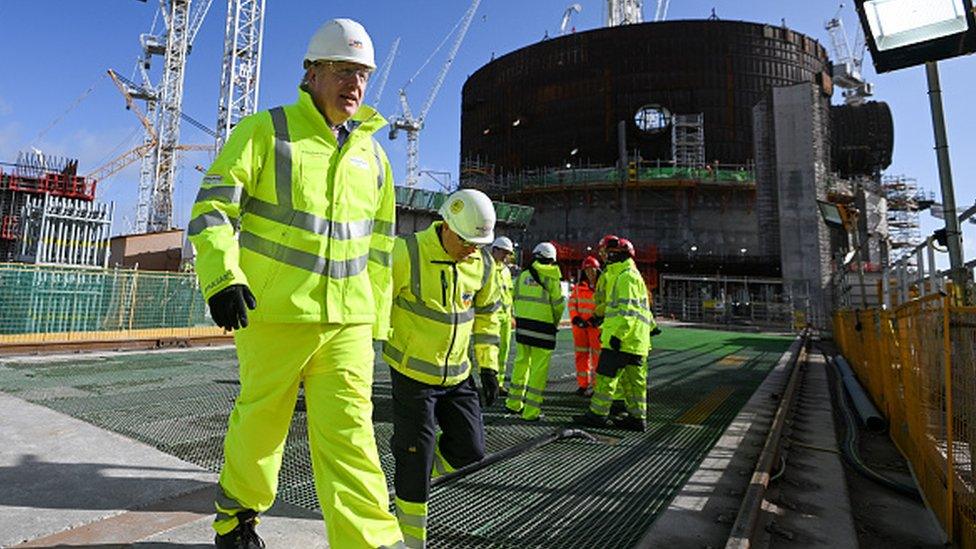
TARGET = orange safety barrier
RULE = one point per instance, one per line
(918, 363)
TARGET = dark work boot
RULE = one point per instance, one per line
(631, 423)
(589, 419)
(243, 535)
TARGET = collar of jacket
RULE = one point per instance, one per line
(551, 271)
(433, 250)
(621, 266)
(366, 118)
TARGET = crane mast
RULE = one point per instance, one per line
(624, 12)
(406, 121)
(240, 76)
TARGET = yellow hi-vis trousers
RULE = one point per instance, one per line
(530, 374)
(505, 341)
(335, 365)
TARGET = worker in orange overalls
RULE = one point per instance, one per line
(586, 333)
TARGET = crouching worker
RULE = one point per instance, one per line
(444, 299)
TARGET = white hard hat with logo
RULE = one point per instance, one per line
(546, 250)
(341, 40)
(503, 243)
(471, 215)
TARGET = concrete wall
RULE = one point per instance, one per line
(801, 122)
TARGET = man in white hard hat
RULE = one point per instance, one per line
(502, 251)
(538, 305)
(444, 300)
(305, 283)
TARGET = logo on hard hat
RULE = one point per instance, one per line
(358, 44)
(457, 206)
(481, 230)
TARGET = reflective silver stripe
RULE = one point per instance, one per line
(583, 301)
(225, 503)
(533, 391)
(411, 520)
(420, 309)
(636, 314)
(559, 301)
(339, 230)
(487, 263)
(600, 397)
(413, 542)
(414, 253)
(206, 220)
(532, 299)
(537, 335)
(380, 175)
(303, 260)
(424, 367)
(439, 466)
(283, 162)
(488, 308)
(634, 302)
(488, 339)
(385, 228)
(383, 258)
(220, 194)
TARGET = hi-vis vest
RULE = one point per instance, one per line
(503, 278)
(438, 305)
(628, 316)
(538, 308)
(316, 223)
(581, 302)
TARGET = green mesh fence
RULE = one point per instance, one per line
(47, 299)
(590, 176)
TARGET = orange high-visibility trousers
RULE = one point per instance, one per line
(587, 344)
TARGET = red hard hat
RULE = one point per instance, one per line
(627, 245)
(590, 263)
(608, 240)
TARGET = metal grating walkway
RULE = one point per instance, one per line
(568, 493)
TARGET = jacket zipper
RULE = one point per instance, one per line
(454, 319)
(443, 289)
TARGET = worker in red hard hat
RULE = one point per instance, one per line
(586, 335)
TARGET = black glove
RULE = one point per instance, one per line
(656, 331)
(615, 343)
(229, 306)
(579, 322)
(595, 321)
(489, 386)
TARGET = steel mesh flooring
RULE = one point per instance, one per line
(568, 493)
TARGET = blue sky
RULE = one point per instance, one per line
(53, 51)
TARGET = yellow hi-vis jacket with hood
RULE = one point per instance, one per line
(627, 315)
(439, 307)
(539, 305)
(316, 222)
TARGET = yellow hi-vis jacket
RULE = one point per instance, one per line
(628, 316)
(316, 222)
(438, 305)
(503, 279)
(539, 305)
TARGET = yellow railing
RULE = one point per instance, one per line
(917, 363)
(55, 338)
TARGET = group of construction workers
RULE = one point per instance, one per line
(297, 255)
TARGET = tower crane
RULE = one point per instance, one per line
(846, 72)
(624, 12)
(412, 125)
(240, 76)
(384, 73)
(662, 10)
(570, 10)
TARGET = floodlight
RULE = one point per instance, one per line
(904, 33)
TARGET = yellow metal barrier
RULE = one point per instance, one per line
(917, 363)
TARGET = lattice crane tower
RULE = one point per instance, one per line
(241, 74)
(624, 12)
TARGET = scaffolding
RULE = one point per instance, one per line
(688, 140)
(48, 213)
(905, 201)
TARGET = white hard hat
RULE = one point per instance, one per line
(546, 250)
(503, 243)
(471, 215)
(341, 40)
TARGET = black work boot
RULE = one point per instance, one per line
(631, 423)
(243, 535)
(589, 419)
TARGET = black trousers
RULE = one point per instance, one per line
(418, 409)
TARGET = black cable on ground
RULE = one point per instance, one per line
(511, 452)
(849, 448)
